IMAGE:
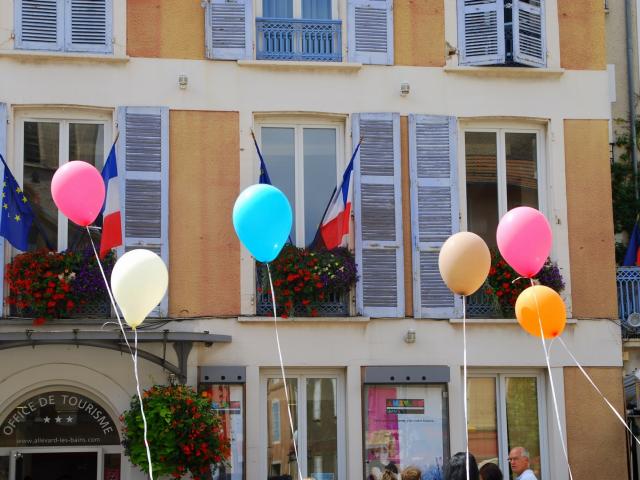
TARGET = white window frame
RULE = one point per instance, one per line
(299, 124)
(501, 415)
(500, 128)
(297, 9)
(301, 375)
(64, 117)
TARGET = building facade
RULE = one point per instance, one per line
(466, 108)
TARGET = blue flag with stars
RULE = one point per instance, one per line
(17, 216)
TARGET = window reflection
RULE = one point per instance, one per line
(522, 175)
(482, 419)
(281, 458)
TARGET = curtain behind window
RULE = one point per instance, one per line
(277, 8)
(316, 9)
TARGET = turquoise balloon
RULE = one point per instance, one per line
(262, 219)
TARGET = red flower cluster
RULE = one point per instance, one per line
(40, 281)
(184, 433)
(302, 278)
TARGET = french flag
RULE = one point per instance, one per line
(334, 228)
(111, 224)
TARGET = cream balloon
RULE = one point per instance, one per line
(139, 281)
(464, 262)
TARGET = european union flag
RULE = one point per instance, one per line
(17, 216)
(632, 257)
(264, 175)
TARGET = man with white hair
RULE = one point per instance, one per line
(519, 461)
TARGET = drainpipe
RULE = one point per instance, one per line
(631, 92)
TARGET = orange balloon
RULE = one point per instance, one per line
(540, 304)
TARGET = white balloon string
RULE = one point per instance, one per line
(134, 353)
(144, 418)
(106, 284)
(464, 369)
(553, 388)
(597, 389)
(284, 377)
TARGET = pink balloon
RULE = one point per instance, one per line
(78, 191)
(524, 240)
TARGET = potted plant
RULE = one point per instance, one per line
(184, 433)
(304, 277)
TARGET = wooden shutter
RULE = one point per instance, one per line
(229, 29)
(143, 168)
(481, 32)
(529, 43)
(434, 210)
(88, 26)
(378, 211)
(3, 152)
(370, 31)
(39, 24)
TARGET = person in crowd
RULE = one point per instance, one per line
(490, 471)
(390, 472)
(519, 461)
(411, 473)
(456, 468)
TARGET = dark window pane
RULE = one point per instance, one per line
(322, 428)
(523, 424)
(482, 184)
(522, 173)
(281, 459)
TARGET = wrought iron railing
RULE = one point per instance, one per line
(628, 287)
(334, 306)
(298, 39)
(482, 305)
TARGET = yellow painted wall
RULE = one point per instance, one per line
(590, 217)
(204, 183)
(418, 29)
(595, 437)
(406, 216)
(165, 29)
(582, 34)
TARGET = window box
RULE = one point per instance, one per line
(298, 39)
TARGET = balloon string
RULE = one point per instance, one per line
(553, 389)
(464, 369)
(284, 377)
(144, 418)
(134, 356)
(597, 389)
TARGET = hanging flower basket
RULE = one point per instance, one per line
(184, 434)
(45, 284)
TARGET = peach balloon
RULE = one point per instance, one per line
(540, 304)
(464, 262)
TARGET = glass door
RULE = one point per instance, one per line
(56, 464)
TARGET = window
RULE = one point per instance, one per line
(317, 410)
(502, 32)
(302, 161)
(64, 25)
(46, 142)
(406, 425)
(506, 411)
(503, 170)
(299, 30)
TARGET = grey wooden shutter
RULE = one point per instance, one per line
(229, 29)
(529, 42)
(3, 152)
(378, 211)
(88, 26)
(481, 32)
(39, 24)
(434, 210)
(370, 31)
(143, 168)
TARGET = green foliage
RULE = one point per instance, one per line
(183, 432)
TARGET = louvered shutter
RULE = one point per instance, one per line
(143, 156)
(378, 211)
(370, 31)
(88, 26)
(529, 43)
(229, 29)
(434, 210)
(3, 152)
(39, 24)
(481, 32)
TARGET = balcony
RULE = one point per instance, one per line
(628, 287)
(299, 39)
(481, 305)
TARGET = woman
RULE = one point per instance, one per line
(490, 471)
(456, 468)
